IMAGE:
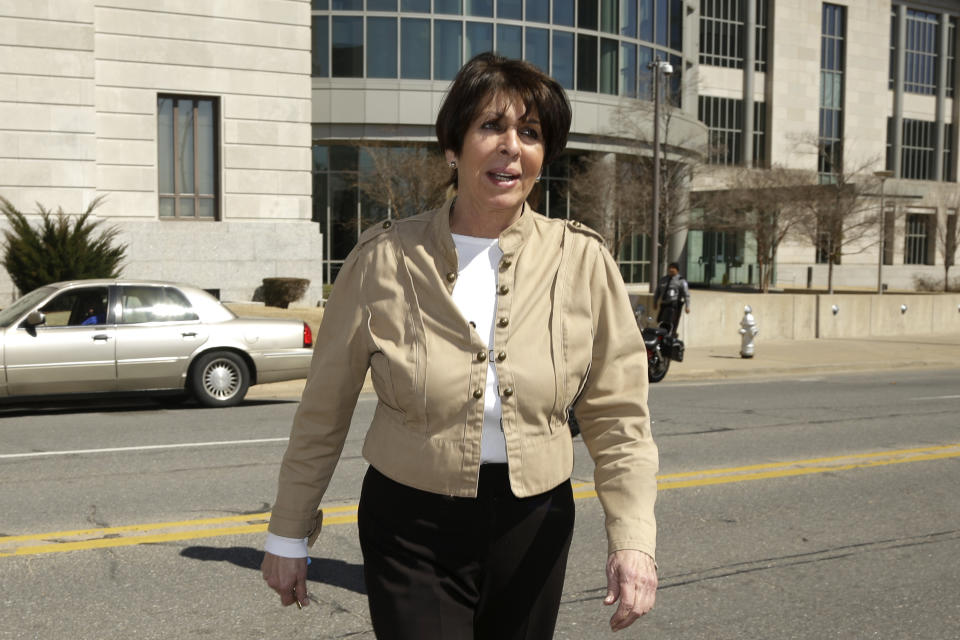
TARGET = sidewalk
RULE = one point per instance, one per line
(782, 358)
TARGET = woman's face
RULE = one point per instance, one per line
(501, 158)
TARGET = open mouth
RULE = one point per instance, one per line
(501, 176)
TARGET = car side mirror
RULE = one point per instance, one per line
(36, 318)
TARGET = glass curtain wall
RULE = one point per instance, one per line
(598, 46)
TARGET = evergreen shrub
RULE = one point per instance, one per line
(62, 247)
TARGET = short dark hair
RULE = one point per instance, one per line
(675, 265)
(485, 76)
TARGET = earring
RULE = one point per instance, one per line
(452, 164)
(539, 175)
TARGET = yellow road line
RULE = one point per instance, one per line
(60, 541)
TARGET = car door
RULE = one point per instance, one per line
(157, 333)
(72, 352)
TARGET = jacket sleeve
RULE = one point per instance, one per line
(613, 415)
(337, 372)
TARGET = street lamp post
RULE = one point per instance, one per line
(658, 67)
(883, 176)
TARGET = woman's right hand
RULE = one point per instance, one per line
(288, 577)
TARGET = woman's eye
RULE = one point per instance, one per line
(530, 133)
(492, 124)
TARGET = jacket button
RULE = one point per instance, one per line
(508, 392)
(478, 393)
(502, 322)
(452, 276)
(505, 264)
(504, 290)
(387, 224)
(501, 356)
(481, 356)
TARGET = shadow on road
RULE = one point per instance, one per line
(13, 409)
(336, 573)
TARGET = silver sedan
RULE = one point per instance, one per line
(102, 336)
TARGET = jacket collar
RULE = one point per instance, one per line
(511, 238)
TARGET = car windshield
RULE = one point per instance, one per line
(23, 305)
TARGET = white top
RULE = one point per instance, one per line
(475, 294)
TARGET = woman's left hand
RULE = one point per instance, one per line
(632, 579)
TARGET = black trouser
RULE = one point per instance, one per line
(670, 314)
(485, 568)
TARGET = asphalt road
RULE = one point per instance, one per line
(797, 508)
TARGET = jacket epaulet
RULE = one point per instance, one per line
(375, 230)
(579, 227)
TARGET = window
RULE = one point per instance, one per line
(724, 120)
(759, 134)
(721, 33)
(448, 44)
(919, 149)
(187, 157)
(538, 49)
(628, 18)
(628, 69)
(921, 52)
(586, 62)
(154, 304)
(951, 55)
(415, 48)
(510, 9)
(346, 56)
(562, 69)
(77, 307)
(917, 240)
(447, 6)
(646, 20)
(538, 10)
(510, 41)
(832, 65)
(609, 15)
(563, 12)
(608, 66)
(479, 38)
(587, 14)
(482, 8)
(382, 49)
(321, 47)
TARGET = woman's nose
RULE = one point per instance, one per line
(510, 142)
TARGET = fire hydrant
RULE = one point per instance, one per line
(748, 330)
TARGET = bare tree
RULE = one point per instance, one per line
(948, 233)
(614, 193)
(607, 192)
(768, 203)
(405, 180)
(838, 214)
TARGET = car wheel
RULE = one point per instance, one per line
(220, 379)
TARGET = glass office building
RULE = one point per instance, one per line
(380, 68)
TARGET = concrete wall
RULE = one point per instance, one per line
(79, 81)
(715, 316)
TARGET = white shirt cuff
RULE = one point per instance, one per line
(285, 547)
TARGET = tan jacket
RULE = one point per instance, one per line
(565, 336)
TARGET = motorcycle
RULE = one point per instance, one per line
(662, 347)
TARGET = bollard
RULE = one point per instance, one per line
(748, 330)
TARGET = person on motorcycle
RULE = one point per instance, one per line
(672, 294)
